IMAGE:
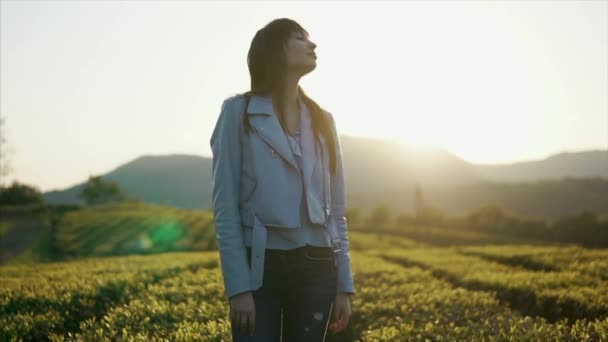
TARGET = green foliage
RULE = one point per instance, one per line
(405, 220)
(397, 301)
(353, 216)
(403, 292)
(428, 215)
(4, 228)
(583, 228)
(554, 295)
(132, 228)
(97, 190)
(489, 217)
(380, 217)
(18, 194)
(106, 299)
(489, 223)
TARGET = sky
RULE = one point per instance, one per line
(86, 86)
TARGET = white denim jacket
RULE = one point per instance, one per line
(257, 183)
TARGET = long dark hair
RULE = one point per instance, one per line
(267, 68)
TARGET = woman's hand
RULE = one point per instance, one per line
(341, 313)
(242, 312)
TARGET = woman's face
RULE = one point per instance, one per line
(300, 52)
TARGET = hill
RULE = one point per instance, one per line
(379, 169)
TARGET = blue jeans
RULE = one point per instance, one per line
(297, 295)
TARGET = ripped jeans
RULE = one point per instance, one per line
(296, 299)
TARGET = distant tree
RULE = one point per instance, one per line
(429, 216)
(97, 190)
(20, 194)
(379, 217)
(488, 218)
(582, 228)
(404, 220)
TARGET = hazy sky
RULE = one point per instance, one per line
(86, 86)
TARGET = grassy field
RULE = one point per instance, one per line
(406, 290)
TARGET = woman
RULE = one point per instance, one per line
(279, 199)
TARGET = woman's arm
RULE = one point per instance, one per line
(226, 148)
(338, 213)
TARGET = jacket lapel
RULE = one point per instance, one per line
(269, 127)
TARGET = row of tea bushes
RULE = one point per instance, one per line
(550, 294)
(593, 262)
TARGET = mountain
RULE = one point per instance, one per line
(180, 180)
(378, 170)
(566, 164)
(385, 164)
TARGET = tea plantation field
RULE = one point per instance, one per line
(405, 292)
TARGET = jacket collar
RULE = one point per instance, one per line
(259, 104)
(269, 128)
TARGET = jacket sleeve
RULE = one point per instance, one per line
(338, 213)
(226, 149)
